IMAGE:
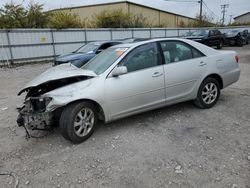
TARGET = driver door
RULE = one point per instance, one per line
(141, 88)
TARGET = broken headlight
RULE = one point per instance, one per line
(39, 104)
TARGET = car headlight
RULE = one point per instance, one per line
(45, 100)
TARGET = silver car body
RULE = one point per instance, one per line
(142, 90)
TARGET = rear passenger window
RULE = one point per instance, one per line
(174, 51)
(197, 53)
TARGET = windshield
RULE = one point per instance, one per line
(200, 33)
(104, 60)
(90, 47)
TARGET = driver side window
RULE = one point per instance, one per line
(142, 57)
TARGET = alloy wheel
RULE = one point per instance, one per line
(209, 93)
(84, 122)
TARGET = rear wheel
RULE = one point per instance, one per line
(239, 42)
(78, 121)
(208, 93)
(220, 45)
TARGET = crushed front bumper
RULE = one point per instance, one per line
(33, 115)
(34, 121)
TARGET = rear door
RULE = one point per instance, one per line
(141, 88)
(212, 38)
(184, 67)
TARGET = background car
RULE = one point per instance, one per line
(237, 37)
(130, 40)
(85, 53)
(125, 80)
(208, 37)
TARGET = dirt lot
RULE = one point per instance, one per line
(177, 146)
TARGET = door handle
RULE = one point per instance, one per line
(157, 74)
(202, 63)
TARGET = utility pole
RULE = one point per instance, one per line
(231, 16)
(223, 7)
(201, 3)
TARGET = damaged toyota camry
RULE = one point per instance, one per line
(125, 80)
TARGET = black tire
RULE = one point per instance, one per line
(239, 43)
(220, 45)
(199, 101)
(68, 117)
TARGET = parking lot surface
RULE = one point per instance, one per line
(175, 146)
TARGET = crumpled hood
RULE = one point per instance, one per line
(229, 35)
(73, 56)
(56, 73)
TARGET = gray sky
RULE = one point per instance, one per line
(236, 7)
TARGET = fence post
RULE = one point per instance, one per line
(53, 43)
(132, 30)
(85, 35)
(165, 32)
(111, 35)
(10, 47)
(178, 32)
(150, 32)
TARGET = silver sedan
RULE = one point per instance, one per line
(125, 80)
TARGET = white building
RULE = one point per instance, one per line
(243, 18)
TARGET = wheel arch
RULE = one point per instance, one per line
(217, 77)
(101, 114)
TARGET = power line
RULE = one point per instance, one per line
(201, 3)
(188, 1)
(223, 7)
(231, 16)
(210, 10)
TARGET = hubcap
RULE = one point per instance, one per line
(209, 93)
(84, 122)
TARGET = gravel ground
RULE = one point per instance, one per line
(176, 146)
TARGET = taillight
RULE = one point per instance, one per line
(237, 59)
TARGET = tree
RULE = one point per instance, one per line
(17, 16)
(36, 18)
(118, 19)
(13, 16)
(62, 20)
(206, 21)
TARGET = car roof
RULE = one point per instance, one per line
(135, 44)
(103, 42)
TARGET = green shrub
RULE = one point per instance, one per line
(61, 20)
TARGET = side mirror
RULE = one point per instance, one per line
(119, 71)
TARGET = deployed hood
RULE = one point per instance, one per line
(73, 56)
(58, 73)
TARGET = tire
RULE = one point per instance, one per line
(213, 93)
(219, 46)
(239, 43)
(74, 126)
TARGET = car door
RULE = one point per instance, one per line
(141, 88)
(212, 38)
(184, 67)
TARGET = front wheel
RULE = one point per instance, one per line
(78, 121)
(208, 94)
(220, 45)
